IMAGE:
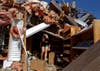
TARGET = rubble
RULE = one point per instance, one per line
(62, 21)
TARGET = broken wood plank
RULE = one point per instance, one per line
(74, 30)
(70, 19)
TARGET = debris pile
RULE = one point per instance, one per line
(65, 17)
(60, 20)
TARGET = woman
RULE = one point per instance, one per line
(45, 46)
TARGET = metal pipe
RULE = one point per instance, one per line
(35, 29)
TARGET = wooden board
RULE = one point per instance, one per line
(7, 70)
(83, 60)
(38, 65)
(96, 29)
(93, 65)
(74, 30)
(51, 57)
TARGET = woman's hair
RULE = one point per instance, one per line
(45, 37)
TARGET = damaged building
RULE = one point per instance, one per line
(40, 36)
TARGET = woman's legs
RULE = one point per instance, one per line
(42, 51)
(46, 52)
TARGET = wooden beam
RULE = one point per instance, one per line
(93, 65)
(24, 57)
(85, 59)
(51, 57)
(56, 35)
(96, 29)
